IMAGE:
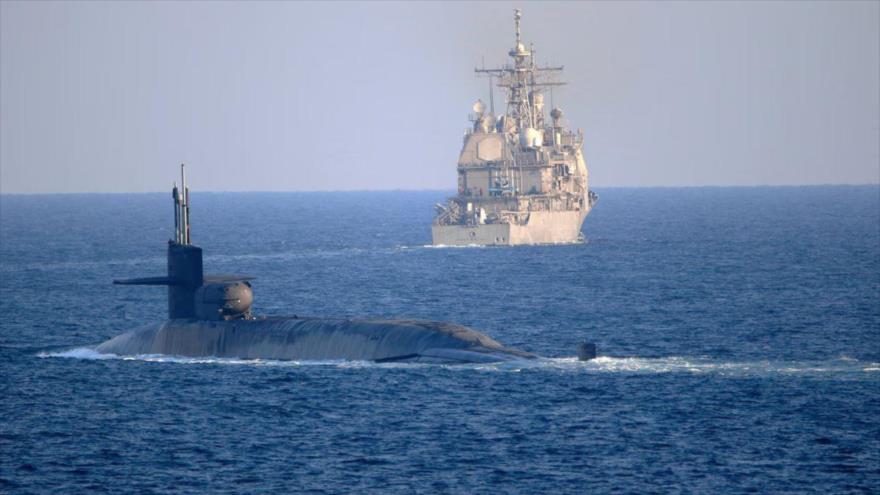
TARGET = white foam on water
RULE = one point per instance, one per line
(702, 365)
(602, 364)
(78, 353)
(481, 246)
(676, 364)
(87, 353)
(454, 246)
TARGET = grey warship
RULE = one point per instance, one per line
(210, 315)
(521, 178)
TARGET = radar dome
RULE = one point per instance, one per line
(518, 51)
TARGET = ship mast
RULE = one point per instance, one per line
(518, 104)
(523, 80)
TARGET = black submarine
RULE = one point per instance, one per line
(210, 315)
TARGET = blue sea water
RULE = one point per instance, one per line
(738, 329)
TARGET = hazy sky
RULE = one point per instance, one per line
(298, 96)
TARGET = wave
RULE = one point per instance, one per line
(602, 364)
(703, 365)
(452, 246)
(88, 353)
(290, 255)
(42, 266)
(152, 261)
(472, 246)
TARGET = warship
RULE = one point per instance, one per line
(211, 315)
(522, 178)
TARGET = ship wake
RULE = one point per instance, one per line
(600, 365)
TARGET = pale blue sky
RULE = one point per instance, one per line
(110, 97)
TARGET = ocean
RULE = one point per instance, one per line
(738, 332)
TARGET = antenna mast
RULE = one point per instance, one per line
(517, 15)
(183, 202)
(175, 195)
(491, 96)
(523, 80)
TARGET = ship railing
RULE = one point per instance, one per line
(569, 139)
(513, 217)
(449, 213)
(555, 203)
(444, 218)
(528, 161)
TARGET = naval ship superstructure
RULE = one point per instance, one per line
(521, 178)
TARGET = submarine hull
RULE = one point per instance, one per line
(301, 339)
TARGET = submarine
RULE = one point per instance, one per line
(211, 316)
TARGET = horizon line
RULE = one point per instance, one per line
(319, 191)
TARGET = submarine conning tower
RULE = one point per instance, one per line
(191, 294)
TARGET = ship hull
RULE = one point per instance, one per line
(543, 227)
(305, 339)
